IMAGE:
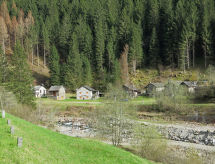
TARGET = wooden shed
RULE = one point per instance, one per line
(153, 88)
(189, 85)
(86, 93)
(131, 90)
(57, 92)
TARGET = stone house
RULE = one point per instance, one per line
(189, 86)
(57, 92)
(153, 88)
(86, 93)
(39, 91)
(131, 90)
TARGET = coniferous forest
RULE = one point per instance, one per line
(83, 42)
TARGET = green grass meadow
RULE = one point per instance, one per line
(41, 145)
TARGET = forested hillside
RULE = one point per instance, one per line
(83, 40)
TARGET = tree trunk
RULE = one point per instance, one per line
(205, 54)
(124, 65)
(44, 56)
(134, 62)
(188, 55)
(32, 57)
(38, 62)
(3, 46)
(193, 53)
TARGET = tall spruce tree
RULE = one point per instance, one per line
(73, 74)
(20, 77)
(136, 48)
(54, 66)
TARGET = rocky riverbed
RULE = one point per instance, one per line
(182, 136)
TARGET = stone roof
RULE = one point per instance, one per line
(36, 88)
(89, 88)
(130, 87)
(55, 88)
(189, 83)
(157, 85)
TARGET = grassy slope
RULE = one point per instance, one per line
(44, 146)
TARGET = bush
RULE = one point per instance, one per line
(149, 143)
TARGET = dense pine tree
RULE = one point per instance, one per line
(73, 72)
(20, 77)
(176, 33)
(54, 66)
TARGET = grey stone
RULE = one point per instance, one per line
(12, 130)
(3, 113)
(8, 122)
(19, 141)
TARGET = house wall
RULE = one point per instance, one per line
(150, 89)
(41, 92)
(191, 90)
(159, 89)
(61, 95)
(84, 94)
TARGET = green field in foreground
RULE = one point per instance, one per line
(41, 145)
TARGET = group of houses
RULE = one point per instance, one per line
(59, 93)
(56, 92)
(153, 88)
(88, 93)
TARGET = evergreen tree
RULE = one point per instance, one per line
(73, 74)
(54, 66)
(154, 50)
(20, 77)
(87, 72)
(46, 43)
(4, 70)
(136, 49)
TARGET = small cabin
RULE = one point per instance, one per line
(131, 90)
(57, 92)
(189, 86)
(39, 91)
(86, 93)
(153, 88)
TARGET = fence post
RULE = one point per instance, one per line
(8, 122)
(3, 113)
(19, 141)
(12, 130)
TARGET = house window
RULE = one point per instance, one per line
(80, 92)
(86, 92)
(87, 97)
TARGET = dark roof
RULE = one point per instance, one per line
(189, 83)
(176, 83)
(55, 88)
(89, 88)
(130, 87)
(37, 87)
(157, 85)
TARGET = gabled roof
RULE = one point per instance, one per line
(189, 83)
(55, 88)
(176, 83)
(157, 85)
(89, 88)
(38, 87)
(130, 87)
